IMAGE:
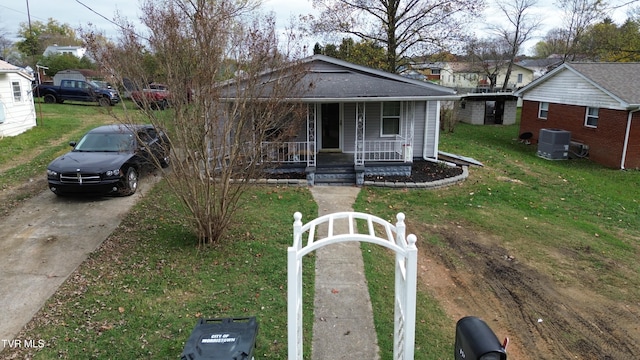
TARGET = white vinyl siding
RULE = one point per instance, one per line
(349, 127)
(569, 88)
(17, 104)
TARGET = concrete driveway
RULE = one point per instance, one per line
(43, 241)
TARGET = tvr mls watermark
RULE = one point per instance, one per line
(23, 343)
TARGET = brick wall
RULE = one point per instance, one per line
(605, 141)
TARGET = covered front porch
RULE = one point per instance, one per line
(343, 141)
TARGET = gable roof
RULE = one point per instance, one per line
(6, 68)
(326, 79)
(618, 80)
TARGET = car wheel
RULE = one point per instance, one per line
(50, 99)
(103, 101)
(164, 104)
(130, 182)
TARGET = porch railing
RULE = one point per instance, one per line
(397, 149)
(387, 150)
(285, 152)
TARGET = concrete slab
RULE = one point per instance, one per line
(343, 317)
(43, 241)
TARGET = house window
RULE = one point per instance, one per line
(390, 118)
(519, 78)
(543, 110)
(591, 120)
(435, 71)
(17, 92)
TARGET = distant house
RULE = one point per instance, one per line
(472, 77)
(429, 71)
(77, 51)
(17, 112)
(541, 66)
(598, 103)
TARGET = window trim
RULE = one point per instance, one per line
(541, 109)
(17, 91)
(588, 116)
(383, 117)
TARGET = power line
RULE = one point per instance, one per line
(109, 20)
(21, 12)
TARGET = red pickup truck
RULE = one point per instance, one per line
(154, 96)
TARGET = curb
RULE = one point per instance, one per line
(388, 184)
(422, 185)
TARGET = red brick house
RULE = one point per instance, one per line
(598, 103)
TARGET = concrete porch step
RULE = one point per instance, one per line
(335, 175)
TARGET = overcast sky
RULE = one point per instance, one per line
(72, 12)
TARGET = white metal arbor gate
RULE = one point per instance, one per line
(405, 273)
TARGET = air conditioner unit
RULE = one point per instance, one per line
(553, 144)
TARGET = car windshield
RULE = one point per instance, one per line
(119, 142)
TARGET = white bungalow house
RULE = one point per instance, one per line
(376, 122)
(17, 112)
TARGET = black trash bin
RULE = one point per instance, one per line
(222, 339)
(476, 341)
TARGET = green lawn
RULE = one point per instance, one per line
(140, 294)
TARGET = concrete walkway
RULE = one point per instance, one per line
(343, 317)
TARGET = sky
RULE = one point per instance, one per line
(76, 14)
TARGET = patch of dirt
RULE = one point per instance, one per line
(11, 197)
(543, 319)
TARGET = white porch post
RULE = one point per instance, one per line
(311, 134)
(360, 127)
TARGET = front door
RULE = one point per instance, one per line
(330, 117)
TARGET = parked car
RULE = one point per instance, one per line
(76, 90)
(108, 160)
(154, 96)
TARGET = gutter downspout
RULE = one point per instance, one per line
(626, 137)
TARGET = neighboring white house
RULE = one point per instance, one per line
(471, 77)
(77, 51)
(17, 112)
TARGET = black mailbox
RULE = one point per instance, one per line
(222, 339)
(476, 341)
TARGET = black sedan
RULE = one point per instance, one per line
(108, 160)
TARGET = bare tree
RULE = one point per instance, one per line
(519, 29)
(404, 27)
(225, 102)
(578, 15)
(489, 57)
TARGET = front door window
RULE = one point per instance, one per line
(330, 114)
